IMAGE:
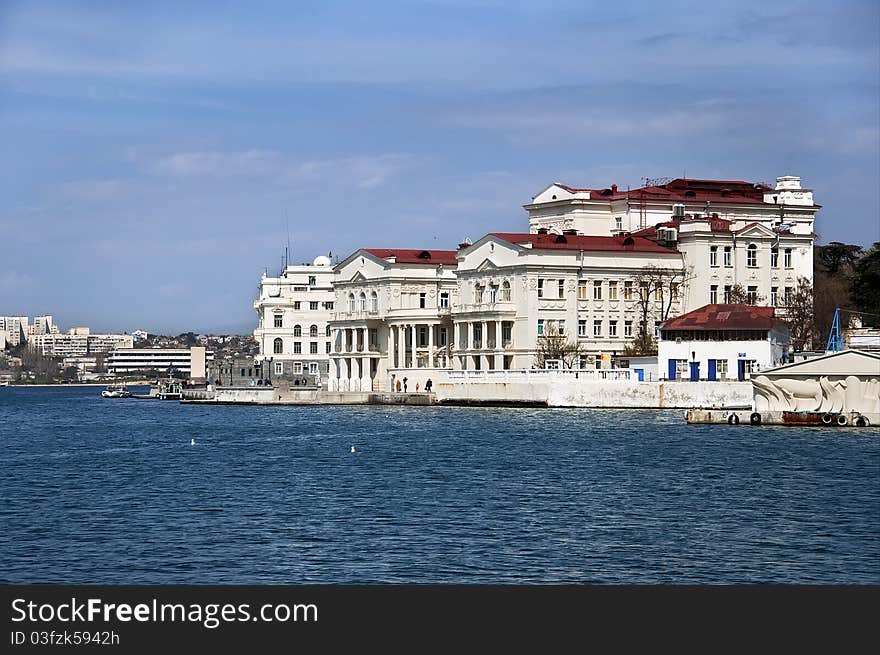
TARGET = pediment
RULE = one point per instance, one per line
(358, 277)
(487, 265)
(756, 231)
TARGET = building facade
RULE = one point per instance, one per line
(15, 329)
(78, 344)
(721, 342)
(189, 362)
(517, 288)
(729, 233)
(294, 312)
(393, 319)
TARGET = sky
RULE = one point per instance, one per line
(155, 155)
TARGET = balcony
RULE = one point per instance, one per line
(360, 315)
(506, 307)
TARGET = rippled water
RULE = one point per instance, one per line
(111, 491)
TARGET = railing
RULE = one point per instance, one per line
(535, 375)
(499, 306)
(359, 315)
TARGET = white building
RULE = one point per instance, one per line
(721, 342)
(294, 312)
(515, 288)
(142, 360)
(15, 329)
(728, 232)
(42, 325)
(76, 344)
(393, 318)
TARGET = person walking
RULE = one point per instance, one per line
(404, 385)
(428, 385)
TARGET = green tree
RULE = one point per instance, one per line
(837, 257)
(866, 284)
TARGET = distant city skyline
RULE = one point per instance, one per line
(156, 154)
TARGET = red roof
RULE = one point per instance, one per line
(725, 317)
(621, 243)
(406, 256)
(685, 190)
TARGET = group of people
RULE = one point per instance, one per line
(401, 385)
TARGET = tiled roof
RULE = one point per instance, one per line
(407, 256)
(580, 242)
(725, 317)
(685, 190)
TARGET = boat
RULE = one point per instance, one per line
(116, 391)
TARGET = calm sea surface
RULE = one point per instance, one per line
(96, 490)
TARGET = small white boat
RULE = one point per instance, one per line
(116, 391)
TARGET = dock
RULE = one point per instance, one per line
(752, 418)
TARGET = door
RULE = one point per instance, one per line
(673, 364)
(695, 371)
(713, 372)
(741, 369)
(640, 374)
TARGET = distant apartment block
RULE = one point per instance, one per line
(188, 361)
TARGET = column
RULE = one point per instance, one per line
(391, 362)
(498, 344)
(344, 342)
(365, 335)
(431, 346)
(470, 335)
(484, 337)
(413, 356)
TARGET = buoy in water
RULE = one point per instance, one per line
(192, 442)
(352, 449)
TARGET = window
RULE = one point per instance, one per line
(327, 331)
(442, 342)
(362, 302)
(297, 347)
(789, 295)
(374, 302)
(582, 290)
(618, 223)
(787, 258)
(493, 293)
(713, 294)
(597, 290)
(658, 293)
(612, 329)
(297, 368)
(540, 326)
(612, 290)
(313, 305)
(713, 255)
(597, 328)
(328, 347)
(561, 289)
(726, 294)
(279, 368)
(478, 334)
(774, 296)
(560, 327)
(774, 258)
(277, 346)
(444, 299)
(328, 305)
(627, 290)
(313, 331)
(297, 331)
(313, 368)
(423, 300)
(657, 325)
(674, 291)
(506, 329)
(505, 291)
(312, 280)
(313, 348)
(540, 287)
(296, 304)
(728, 256)
(751, 295)
(279, 319)
(627, 328)
(752, 256)
(721, 369)
(351, 303)
(582, 328)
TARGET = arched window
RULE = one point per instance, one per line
(278, 346)
(752, 256)
(328, 330)
(297, 331)
(374, 302)
(351, 303)
(505, 291)
(363, 302)
(313, 331)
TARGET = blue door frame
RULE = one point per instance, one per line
(713, 370)
(740, 369)
(672, 368)
(695, 371)
(640, 374)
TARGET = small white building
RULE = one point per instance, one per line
(294, 312)
(721, 342)
(188, 361)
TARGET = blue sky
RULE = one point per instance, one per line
(153, 153)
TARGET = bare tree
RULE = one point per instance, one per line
(799, 316)
(739, 296)
(658, 289)
(555, 346)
